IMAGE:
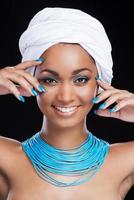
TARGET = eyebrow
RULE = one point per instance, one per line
(74, 72)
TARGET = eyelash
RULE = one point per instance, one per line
(83, 78)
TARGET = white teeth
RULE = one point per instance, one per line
(66, 109)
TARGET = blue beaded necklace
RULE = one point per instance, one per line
(85, 159)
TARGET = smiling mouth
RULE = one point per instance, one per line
(65, 111)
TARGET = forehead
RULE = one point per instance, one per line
(71, 51)
(66, 56)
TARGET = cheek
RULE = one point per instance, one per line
(89, 92)
(43, 100)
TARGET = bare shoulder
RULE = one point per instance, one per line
(123, 156)
(6, 140)
(125, 151)
(8, 151)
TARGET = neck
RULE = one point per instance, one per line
(64, 137)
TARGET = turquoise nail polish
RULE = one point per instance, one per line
(112, 109)
(102, 106)
(21, 98)
(42, 88)
(95, 99)
(97, 78)
(34, 92)
(95, 112)
(40, 60)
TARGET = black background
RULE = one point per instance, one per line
(22, 120)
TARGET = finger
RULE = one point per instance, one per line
(19, 79)
(107, 113)
(12, 88)
(115, 112)
(28, 64)
(104, 95)
(115, 98)
(31, 80)
(128, 101)
(104, 85)
(24, 92)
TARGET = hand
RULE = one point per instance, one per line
(16, 80)
(124, 108)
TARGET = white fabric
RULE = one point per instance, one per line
(54, 24)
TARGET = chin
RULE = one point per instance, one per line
(66, 125)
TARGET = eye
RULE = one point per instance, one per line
(49, 81)
(82, 80)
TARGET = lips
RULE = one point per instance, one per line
(65, 111)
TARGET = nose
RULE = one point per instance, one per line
(65, 94)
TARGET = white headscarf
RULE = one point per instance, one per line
(54, 25)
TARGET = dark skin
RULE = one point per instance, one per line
(18, 179)
(66, 90)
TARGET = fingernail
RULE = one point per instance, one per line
(102, 106)
(41, 88)
(95, 112)
(95, 99)
(40, 59)
(21, 98)
(112, 109)
(97, 78)
(34, 92)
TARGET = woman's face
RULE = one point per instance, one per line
(68, 75)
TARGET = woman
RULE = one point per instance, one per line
(73, 72)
